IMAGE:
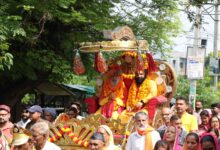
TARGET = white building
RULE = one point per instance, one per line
(178, 61)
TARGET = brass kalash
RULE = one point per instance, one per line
(74, 134)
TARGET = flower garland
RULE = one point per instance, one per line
(117, 90)
(70, 134)
(128, 76)
(133, 54)
(137, 94)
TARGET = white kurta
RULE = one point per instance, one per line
(137, 142)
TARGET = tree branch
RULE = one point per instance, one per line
(41, 22)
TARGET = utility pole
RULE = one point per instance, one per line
(193, 53)
(215, 44)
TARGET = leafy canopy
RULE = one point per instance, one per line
(37, 38)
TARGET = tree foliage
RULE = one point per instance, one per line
(38, 38)
(156, 20)
(204, 89)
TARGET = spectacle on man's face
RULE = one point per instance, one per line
(166, 114)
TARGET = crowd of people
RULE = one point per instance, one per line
(30, 133)
(182, 129)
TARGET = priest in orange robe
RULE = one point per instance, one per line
(141, 91)
(114, 94)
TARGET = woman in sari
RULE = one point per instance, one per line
(215, 132)
(191, 142)
(208, 142)
(205, 125)
(172, 137)
(215, 123)
(108, 137)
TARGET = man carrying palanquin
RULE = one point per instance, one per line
(114, 94)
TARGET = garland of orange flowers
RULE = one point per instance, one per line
(133, 54)
(135, 96)
(128, 76)
(118, 90)
(72, 136)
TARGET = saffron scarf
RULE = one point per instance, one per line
(148, 138)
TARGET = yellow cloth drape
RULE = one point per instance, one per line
(148, 139)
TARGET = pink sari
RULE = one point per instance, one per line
(176, 145)
(215, 140)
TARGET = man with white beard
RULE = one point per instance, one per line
(145, 137)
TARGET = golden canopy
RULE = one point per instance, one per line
(115, 45)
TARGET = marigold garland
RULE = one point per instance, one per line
(128, 76)
(135, 96)
(69, 132)
(117, 90)
(133, 54)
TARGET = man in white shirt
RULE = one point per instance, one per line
(40, 134)
(145, 137)
(24, 119)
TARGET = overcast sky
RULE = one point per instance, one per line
(207, 32)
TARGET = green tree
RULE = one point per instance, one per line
(156, 20)
(37, 38)
(204, 89)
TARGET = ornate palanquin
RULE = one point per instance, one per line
(74, 134)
